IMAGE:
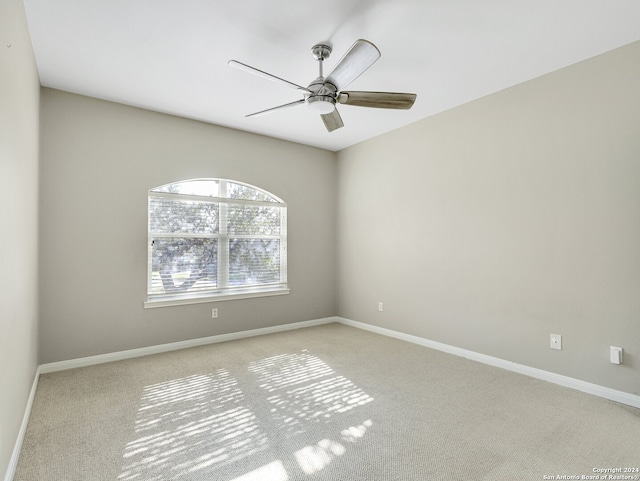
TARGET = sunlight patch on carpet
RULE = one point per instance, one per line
(271, 472)
(190, 424)
(204, 426)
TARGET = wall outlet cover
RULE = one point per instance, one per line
(616, 355)
(555, 341)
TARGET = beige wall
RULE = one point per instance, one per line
(19, 100)
(492, 225)
(98, 161)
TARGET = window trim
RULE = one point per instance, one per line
(177, 300)
(223, 293)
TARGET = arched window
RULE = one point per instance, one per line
(215, 239)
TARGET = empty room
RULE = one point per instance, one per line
(297, 241)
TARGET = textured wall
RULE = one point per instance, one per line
(492, 225)
(99, 159)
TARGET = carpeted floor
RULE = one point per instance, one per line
(324, 403)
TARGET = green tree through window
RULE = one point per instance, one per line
(215, 238)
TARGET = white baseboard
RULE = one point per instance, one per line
(595, 389)
(578, 385)
(174, 346)
(13, 462)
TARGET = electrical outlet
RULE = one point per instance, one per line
(555, 341)
(214, 313)
(380, 306)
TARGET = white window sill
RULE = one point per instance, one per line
(169, 301)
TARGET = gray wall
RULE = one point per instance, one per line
(19, 106)
(98, 161)
(492, 225)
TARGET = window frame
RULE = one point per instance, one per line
(223, 290)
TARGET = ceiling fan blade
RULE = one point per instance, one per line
(362, 55)
(268, 111)
(380, 100)
(268, 76)
(332, 121)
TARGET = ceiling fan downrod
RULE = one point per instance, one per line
(323, 98)
(320, 53)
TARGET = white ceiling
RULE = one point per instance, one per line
(171, 56)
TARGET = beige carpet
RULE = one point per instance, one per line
(324, 403)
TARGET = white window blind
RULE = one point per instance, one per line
(215, 238)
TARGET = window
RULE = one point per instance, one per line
(215, 239)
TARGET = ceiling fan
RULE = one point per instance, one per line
(323, 93)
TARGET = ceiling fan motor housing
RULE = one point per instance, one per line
(323, 98)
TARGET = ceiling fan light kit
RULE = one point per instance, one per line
(322, 94)
(321, 104)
